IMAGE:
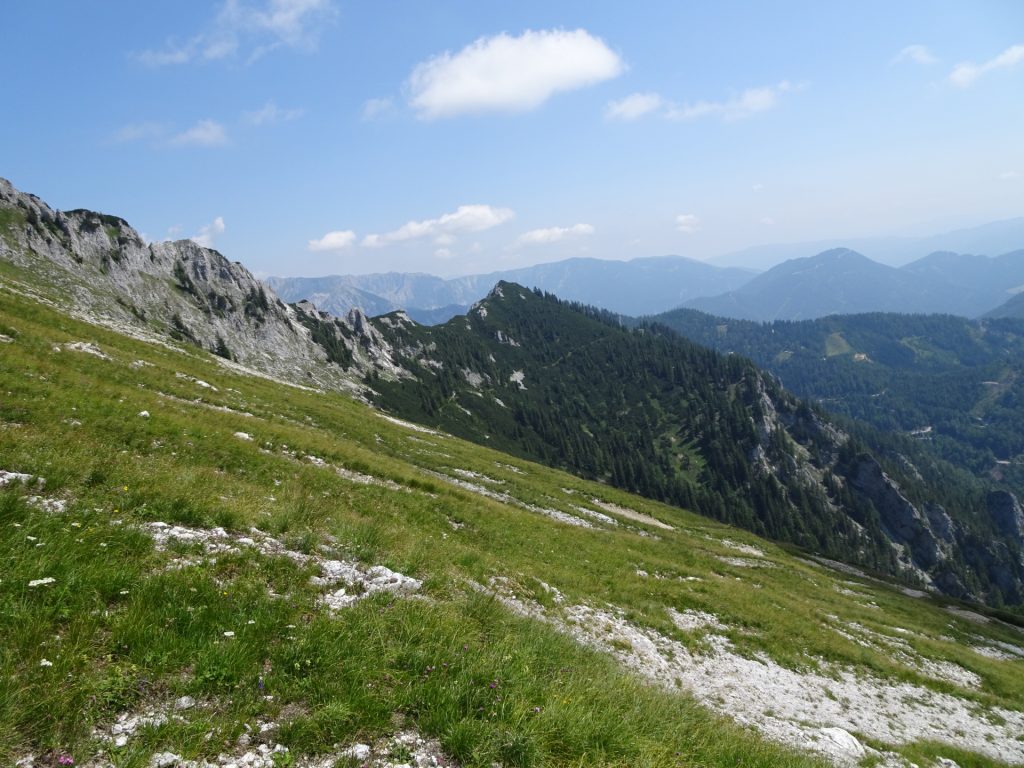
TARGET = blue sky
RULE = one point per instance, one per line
(327, 136)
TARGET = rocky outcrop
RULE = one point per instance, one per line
(101, 269)
(904, 522)
(1007, 514)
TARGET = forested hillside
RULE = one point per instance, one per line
(650, 412)
(953, 384)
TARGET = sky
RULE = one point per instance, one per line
(313, 137)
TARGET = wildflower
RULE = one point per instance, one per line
(65, 759)
(45, 663)
(42, 582)
(229, 633)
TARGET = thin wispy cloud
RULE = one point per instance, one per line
(373, 108)
(633, 106)
(205, 133)
(747, 104)
(510, 74)
(919, 54)
(750, 102)
(967, 73)
(208, 235)
(144, 131)
(465, 218)
(549, 235)
(338, 240)
(246, 29)
(271, 113)
(687, 223)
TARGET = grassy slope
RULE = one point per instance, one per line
(121, 630)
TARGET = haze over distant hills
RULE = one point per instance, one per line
(842, 281)
(989, 239)
(640, 286)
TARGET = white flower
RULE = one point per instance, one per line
(229, 634)
(41, 582)
(45, 663)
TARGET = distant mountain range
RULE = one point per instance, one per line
(988, 239)
(842, 281)
(636, 287)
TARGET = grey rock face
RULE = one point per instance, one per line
(904, 522)
(101, 269)
(1007, 514)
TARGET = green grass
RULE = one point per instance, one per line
(121, 630)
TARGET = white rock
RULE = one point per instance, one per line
(243, 435)
(143, 414)
(356, 752)
(840, 743)
(185, 702)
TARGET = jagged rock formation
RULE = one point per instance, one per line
(99, 267)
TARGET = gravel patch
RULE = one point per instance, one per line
(817, 709)
(358, 582)
(630, 514)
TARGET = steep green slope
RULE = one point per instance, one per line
(188, 583)
(654, 414)
(955, 384)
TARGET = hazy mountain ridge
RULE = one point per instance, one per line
(990, 239)
(630, 287)
(842, 281)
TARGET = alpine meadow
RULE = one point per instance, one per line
(512, 386)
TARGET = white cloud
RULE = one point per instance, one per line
(209, 234)
(748, 103)
(443, 253)
(334, 241)
(1009, 175)
(768, 221)
(633, 106)
(919, 54)
(465, 218)
(251, 28)
(271, 113)
(376, 107)
(205, 133)
(964, 75)
(140, 132)
(510, 74)
(554, 234)
(688, 223)
(757, 187)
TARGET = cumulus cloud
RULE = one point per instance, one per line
(205, 133)
(271, 113)
(337, 240)
(209, 234)
(748, 103)
(465, 218)
(688, 223)
(919, 54)
(965, 74)
(510, 74)
(633, 106)
(252, 29)
(554, 234)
